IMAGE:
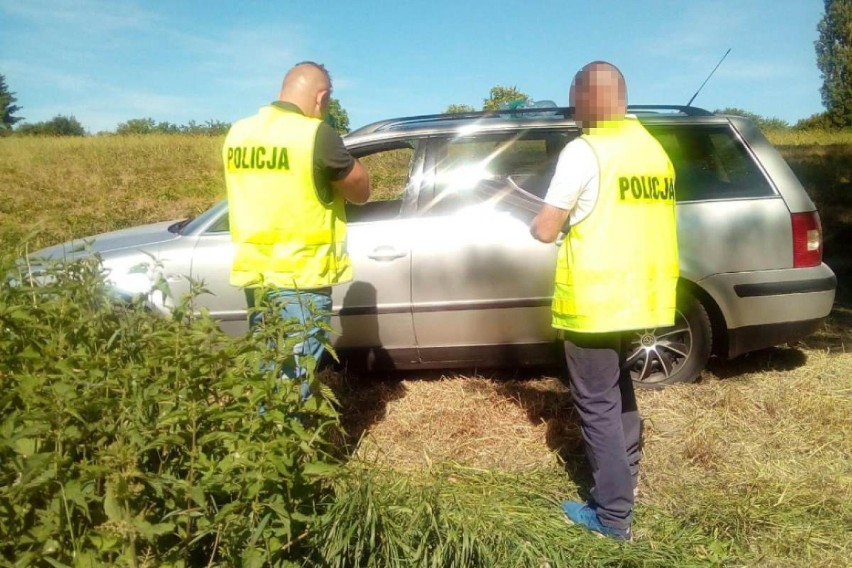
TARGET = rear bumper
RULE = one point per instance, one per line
(753, 337)
(754, 290)
(768, 307)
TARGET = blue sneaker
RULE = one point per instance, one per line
(585, 516)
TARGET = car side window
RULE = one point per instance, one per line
(222, 225)
(710, 163)
(390, 172)
(505, 171)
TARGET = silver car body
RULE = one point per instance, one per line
(444, 284)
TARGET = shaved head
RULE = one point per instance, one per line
(598, 93)
(308, 86)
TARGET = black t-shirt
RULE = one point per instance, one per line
(332, 161)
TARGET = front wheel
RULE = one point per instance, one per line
(669, 355)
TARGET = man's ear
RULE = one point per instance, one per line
(322, 102)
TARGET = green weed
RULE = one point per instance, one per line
(130, 439)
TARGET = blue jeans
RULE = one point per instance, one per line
(310, 308)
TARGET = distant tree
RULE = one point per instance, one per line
(168, 128)
(834, 59)
(59, 125)
(337, 116)
(151, 126)
(762, 122)
(7, 108)
(209, 128)
(818, 121)
(137, 126)
(458, 109)
(500, 94)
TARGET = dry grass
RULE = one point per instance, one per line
(758, 454)
(388, 173)
(809, 137)
(802, 396)
(468, 420)
(73, 187)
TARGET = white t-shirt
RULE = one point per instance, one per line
(576, 181)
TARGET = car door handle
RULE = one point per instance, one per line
(384, 253)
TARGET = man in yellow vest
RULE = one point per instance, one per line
(288, 174)
(613, 196)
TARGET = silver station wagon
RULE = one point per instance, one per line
(447, 274)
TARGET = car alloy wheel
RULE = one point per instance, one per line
(668, 355)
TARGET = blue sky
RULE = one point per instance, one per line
(107, 61)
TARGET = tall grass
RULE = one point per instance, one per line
(72, 187)
(455, 515)
(809, 137)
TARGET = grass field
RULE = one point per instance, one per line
(752, 466)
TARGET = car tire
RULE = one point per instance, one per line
(664, 356)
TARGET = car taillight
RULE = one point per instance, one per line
(807, 239)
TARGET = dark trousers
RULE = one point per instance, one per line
(609, 419)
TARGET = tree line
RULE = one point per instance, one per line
(68, 125)
(503, 97)
(834, 60)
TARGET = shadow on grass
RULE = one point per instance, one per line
(835, 336)
(363, 401)
(550, 402)
(771, 359)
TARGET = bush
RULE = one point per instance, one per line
(818, 121)
(132, 439)
(59, 125)
(136, 126)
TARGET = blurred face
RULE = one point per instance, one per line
(596, 97)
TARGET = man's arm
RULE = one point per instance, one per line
(354, 186)
(574, 184)
(548, 223)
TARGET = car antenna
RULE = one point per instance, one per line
(708, 77)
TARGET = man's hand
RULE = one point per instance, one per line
(548, 223)
(355, 187)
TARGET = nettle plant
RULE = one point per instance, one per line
(129, 438)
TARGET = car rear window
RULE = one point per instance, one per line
(711, 163)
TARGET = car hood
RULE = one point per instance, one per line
(141, 237)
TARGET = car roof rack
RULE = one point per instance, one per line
(535, 112)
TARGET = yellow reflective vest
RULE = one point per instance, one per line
(617, 268)
(285, 235)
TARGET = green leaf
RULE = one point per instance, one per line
(73, 491)
(319, 469)
(151, 531)
(252, 558)
(259, 529)
(26, 446)
(54, 562)
(196, 493)
(111, 506)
